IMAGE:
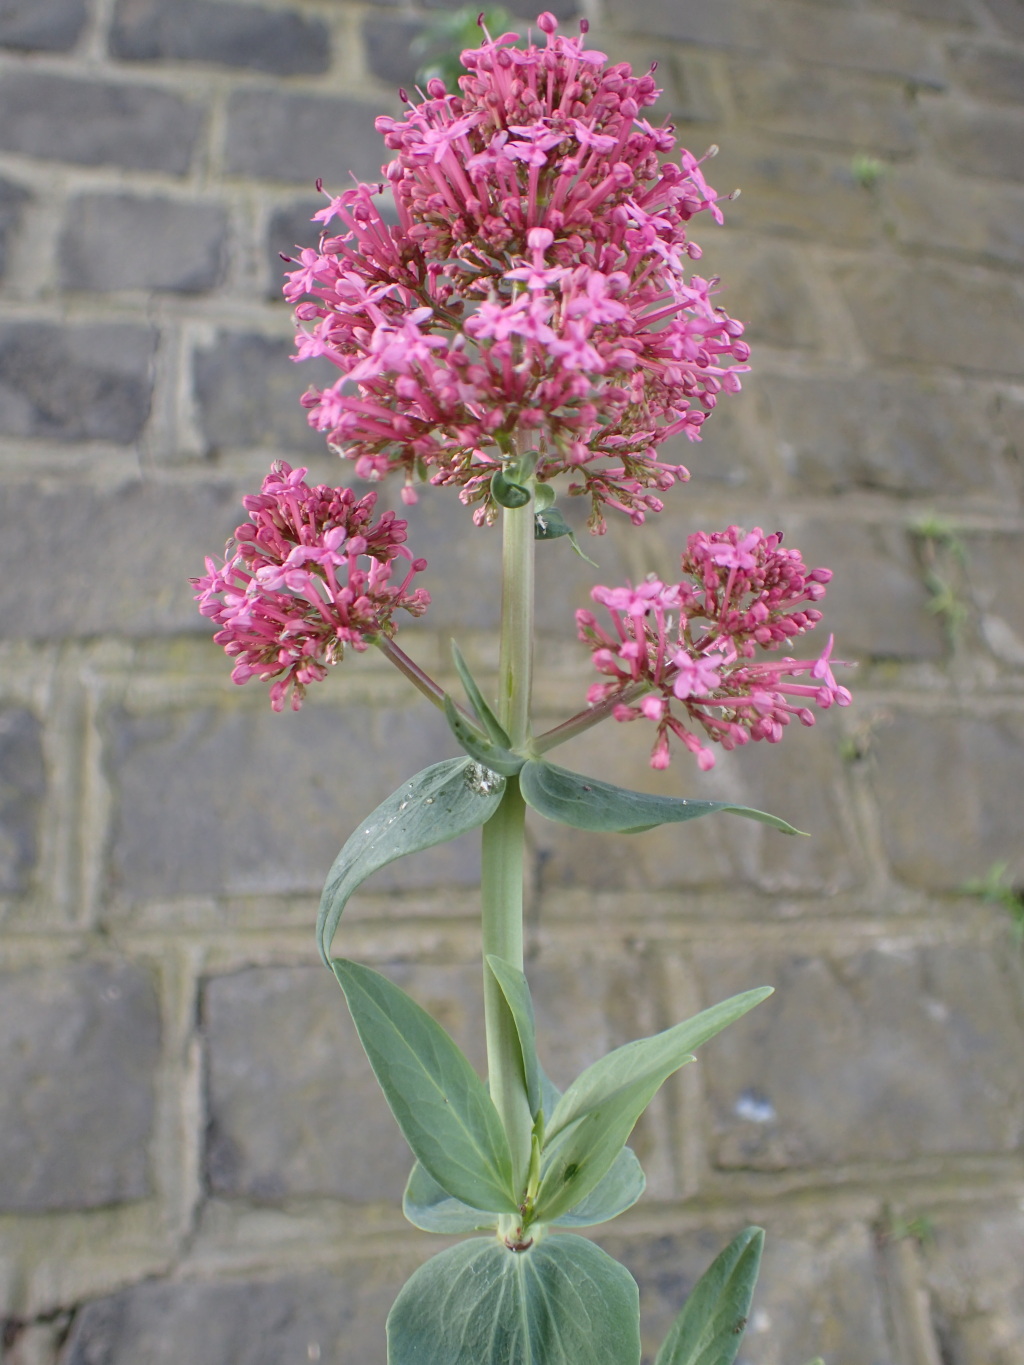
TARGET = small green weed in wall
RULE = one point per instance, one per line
(943, 556)
(996, 888)
(439, 45)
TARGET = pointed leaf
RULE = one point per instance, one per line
(709, 1330)
(578, 1158)
(441, 1104)
(438, 804)
(516, 991)
(586, 803)
(562, 1302)
(652, 1059)
(617, 1191)
(433, 1209)
(549, 524)
(495, 733)
(507, 493)
(493, 756)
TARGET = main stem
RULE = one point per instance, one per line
(503, 839)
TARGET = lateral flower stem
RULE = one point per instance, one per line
(421, 680)
(585, 720)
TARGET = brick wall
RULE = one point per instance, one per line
(195, 1165)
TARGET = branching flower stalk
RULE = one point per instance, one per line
(528, 329)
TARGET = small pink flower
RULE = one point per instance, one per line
(693, 644)
(309, 574)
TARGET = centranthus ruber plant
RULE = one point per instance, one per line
(529, 327)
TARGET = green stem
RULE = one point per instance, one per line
(503, 840)
(585, 720)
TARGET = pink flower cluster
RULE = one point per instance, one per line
(533, 294)
(692, 644)
(308, 576)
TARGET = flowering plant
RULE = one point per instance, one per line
(528, 327)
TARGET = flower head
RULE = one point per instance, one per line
(309, 574)
(533, 293)
(692, 645)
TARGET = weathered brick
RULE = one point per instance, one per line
(293, 1106)
(388, 44)
(915, 437)
(76, 1080)
(979, 141)
(817, 1291)
(43, 25)
(766, 287)
(283, 42)
(525, 9)
(974, 1269)
(948, 792)
(1007, 14)
(275, 135)
(75, 383)
(248, 393)
(938, 11)
(329, 1317)
(879, 43)
(163, 534)
(22, 788)
(92, 123)
(177, 776)
(914, 1048)
(935, 209)
(860, 112)
(993, 564)
(795, 191)
(13, 199)
(731, 24)
(123, 242)
(991, 73)
(937, 314)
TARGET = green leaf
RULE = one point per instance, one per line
(487, 718)
(647, 1059)
(549, 524)
(441, 1104)
(617, 1191)
(433, 1209)
(562, 1302)
(438, 804)
(478, 746)
(709, 1330)
(516, 991)
(577, 1158)
(543, 497)
(586, 803)
(508, 494)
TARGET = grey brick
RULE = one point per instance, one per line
(122, 242)
(816, 1292)
(909, 436)
(248, 391)
(283, 42)
(294, 1109)
(178, 776)
(974, 1268)
(879, 43)
(938, 11)
(948, 792)
(91, 123)
(329, 1317)
(728, 23)
(274, 135)
(979, 141)
(76, 1080)
(914, 1048)
(1008, 15)
(938, 314)
(388, 47)
(525, 9)
(860, 112)
(993, 564)
(75, 383)
(938, 210)
(991, 73)
(22, 788)
(162, 534)
(764, 286)
(42, 25)
(13, 199)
